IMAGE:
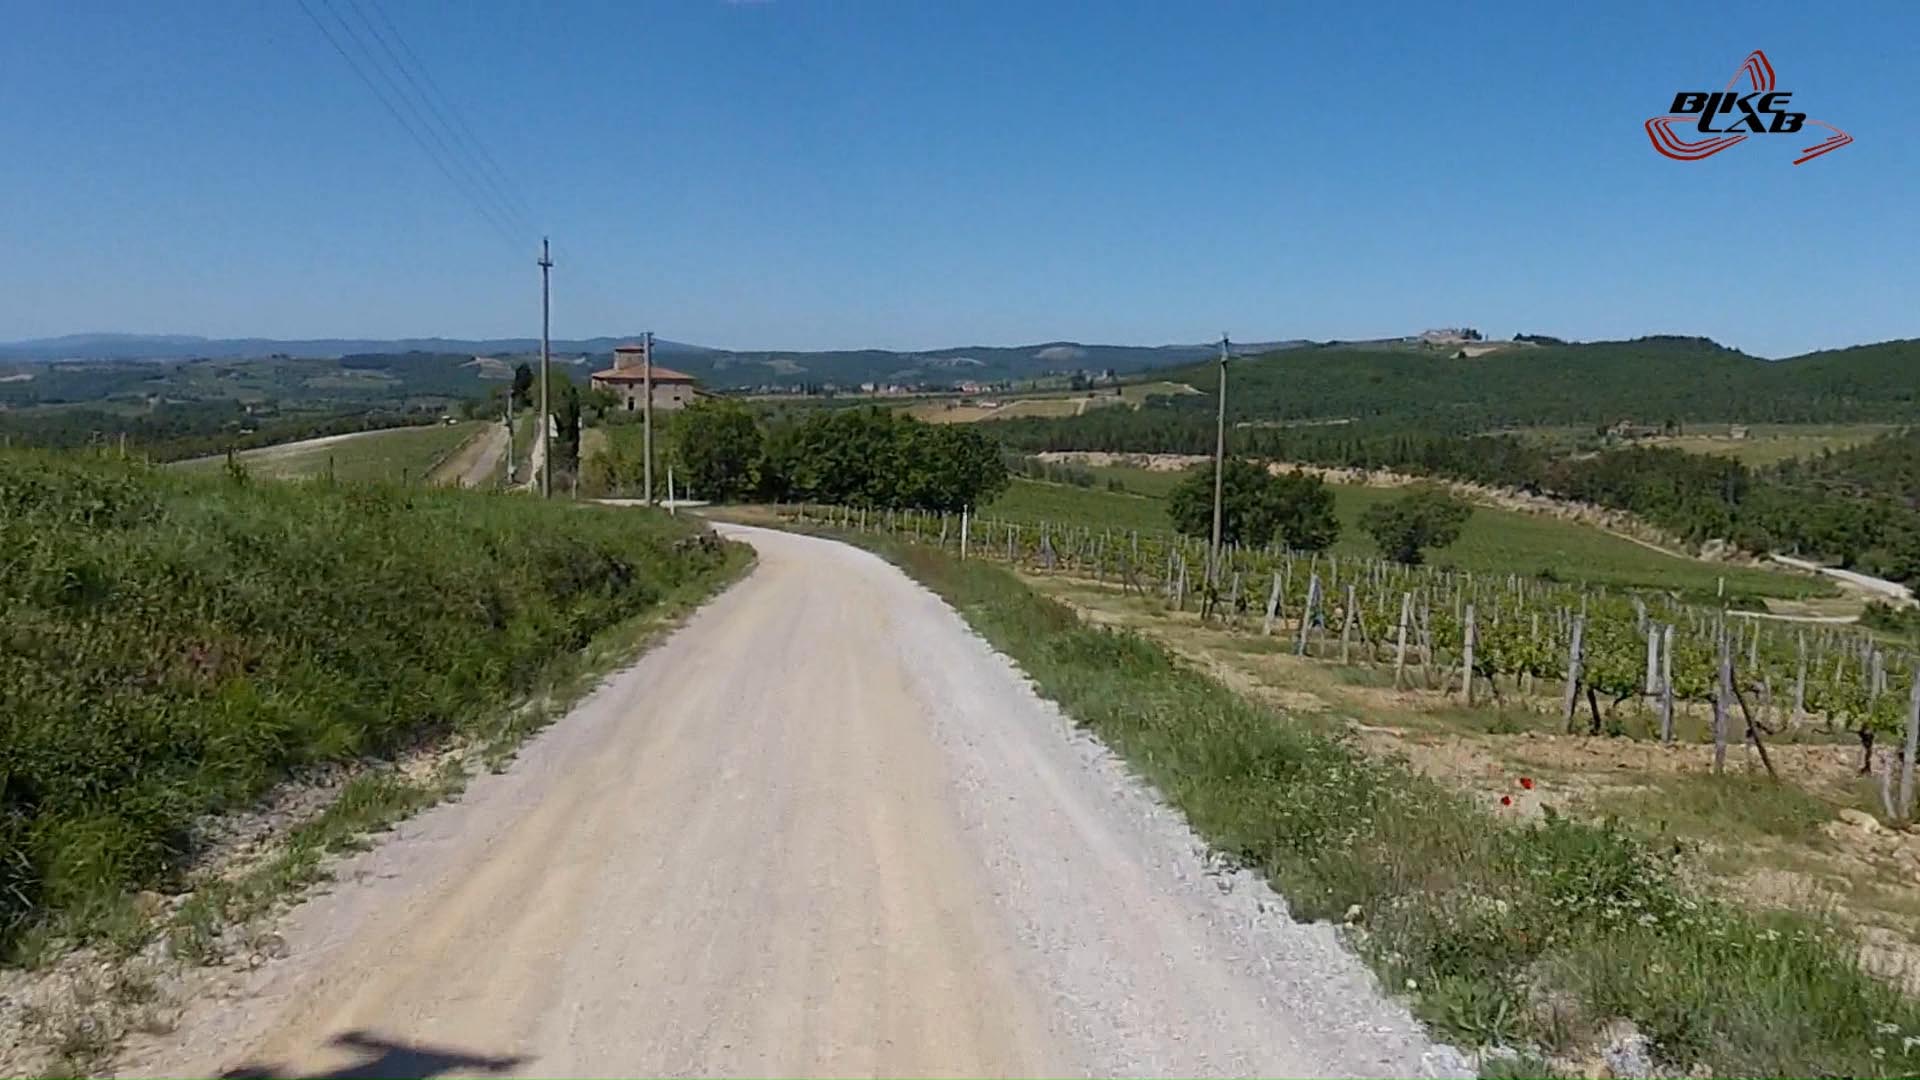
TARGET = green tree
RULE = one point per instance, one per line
(1407, 527)
(719, 450)
(566, 416)
(523, 386)
(1256, 506)
(875, 457)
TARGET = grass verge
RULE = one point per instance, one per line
(172, 646)
(1538, 935)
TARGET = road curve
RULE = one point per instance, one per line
(822, 829)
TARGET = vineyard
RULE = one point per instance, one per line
(1606, 660)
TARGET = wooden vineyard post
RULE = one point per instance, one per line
(1180, 588)
(1721, 694)
(1800, 683)
(1573, 671)
(1426, 638)
(1306, 614)
(1273, 606)
(1400, 642)
(1666, 686)
(964, 523)
(1652, 630)
(1912, 747)
(1233, 602)
(1466, 658)
(1346, 628)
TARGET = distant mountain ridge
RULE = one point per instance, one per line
(724, 368)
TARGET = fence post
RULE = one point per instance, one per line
(1666, 685)
(1306, 614)
(1346, 627)
(1573, 670)
(1466, 658)
(1722, 693)
(1400, 643)
(964, 523)
(1800, 683)
(1912, 747)
(1652, 631)
(1273, 606)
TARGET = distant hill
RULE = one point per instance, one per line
(721, 368)
(189, 347)
(1648, 380)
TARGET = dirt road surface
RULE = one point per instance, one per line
(474, 463)
(823, 829)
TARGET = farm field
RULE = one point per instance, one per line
(1764, 843)
(1770, 444)
(949, 410)
(1494, 541)
(952, 411)
(390, 454)
(1764, 444)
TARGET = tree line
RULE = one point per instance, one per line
(1859, 508)
(868, 457)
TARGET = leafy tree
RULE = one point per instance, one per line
(523, 386)
(719, 450)
(1256, 506)
(1302, 506)
(1406, 527)
(874, 457)
(566, 415)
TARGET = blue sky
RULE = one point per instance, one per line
(806, 174)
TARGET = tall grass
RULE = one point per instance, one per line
(1536, 934)
(172, 644)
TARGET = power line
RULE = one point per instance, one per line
(437, 125)
(458, 126)
(474, 189)
(479, 204)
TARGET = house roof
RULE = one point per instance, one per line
(637, 374)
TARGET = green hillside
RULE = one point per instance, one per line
(1650, 380)
(172, 644)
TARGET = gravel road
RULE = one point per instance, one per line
(473, 464)
(823, 829)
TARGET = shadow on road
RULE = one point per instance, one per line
(388, 1059)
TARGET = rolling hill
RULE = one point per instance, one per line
(93, 358)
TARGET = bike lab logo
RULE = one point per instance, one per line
(1729, 117)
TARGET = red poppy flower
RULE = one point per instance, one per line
(1506, 800)
(1527, 782)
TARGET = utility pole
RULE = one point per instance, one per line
(509, 422)
(1219, 464)
(646, 437)
(546, 362)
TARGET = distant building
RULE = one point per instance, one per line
(627, 379)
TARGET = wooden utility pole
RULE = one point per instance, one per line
(646, 411)
(509, 423)
(1219, 464)
(546, 362)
